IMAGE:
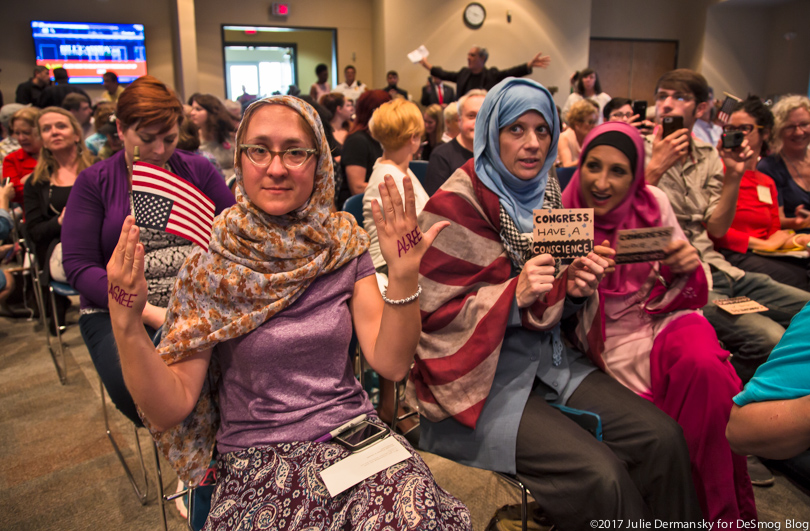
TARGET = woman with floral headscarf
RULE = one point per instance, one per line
(657, 343)
(255, 356)
(491, 361)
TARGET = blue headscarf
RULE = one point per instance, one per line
(504, 104)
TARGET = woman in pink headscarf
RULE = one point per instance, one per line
(657, 342)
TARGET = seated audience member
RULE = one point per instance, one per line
(6, 223)
(770, 416)
(79, 106)
(9, 143)
(216, 129)
(705, 129)
(113, 143)
(28, 92)
(101, 116)
(618, 110)
(342, 111)
(449, 157)
(436, 91)
(54, 95)
(320, 88)
(789, 162)
(112, 90)
(398, 127)
(148, 117)
(434, 131)
(581, 119)
(19, 165)
(702, 186)
(392, 77)
(587, 87)
(62, 158)
(657, 344)
(188, 139)
(360, 150)
(756, 225)
(450, 122)
(477, 76)
(273, 405)
(491, 360)
(351, 88)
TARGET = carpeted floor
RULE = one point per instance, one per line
(58, 471)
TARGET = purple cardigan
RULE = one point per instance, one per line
(97, 207)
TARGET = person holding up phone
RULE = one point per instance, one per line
(703, 187)
(629, 111)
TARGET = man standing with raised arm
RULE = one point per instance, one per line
(478, 76)
(702, 186)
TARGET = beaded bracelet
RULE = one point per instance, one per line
(406, 300)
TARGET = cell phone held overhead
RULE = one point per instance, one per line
(671, 124)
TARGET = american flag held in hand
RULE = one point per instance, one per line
(724, 114)
(166, 202)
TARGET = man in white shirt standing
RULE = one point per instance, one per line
(351, 88)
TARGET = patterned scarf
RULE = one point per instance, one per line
(259, 264)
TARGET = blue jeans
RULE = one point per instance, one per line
(96, 329)
(752, 336)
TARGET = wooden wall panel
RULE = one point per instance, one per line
(630, 68)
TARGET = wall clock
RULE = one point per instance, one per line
(474, 15)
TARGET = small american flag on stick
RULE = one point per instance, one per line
(731, 101)
(169, 203)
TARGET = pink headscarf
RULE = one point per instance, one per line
(639, 209)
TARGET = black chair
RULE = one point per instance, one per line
(419, 168)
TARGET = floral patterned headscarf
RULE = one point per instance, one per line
(259, 264)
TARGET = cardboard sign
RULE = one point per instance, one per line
(364, 464)
(642, 245)
(563, 233)
(740, 305)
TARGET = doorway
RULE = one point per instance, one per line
(630, 68)
(259, 70)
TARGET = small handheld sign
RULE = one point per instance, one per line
(642, 245)
(740, 305)
(563, 233)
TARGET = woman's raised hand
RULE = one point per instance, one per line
(401, 242)
(584, 275)
(535, 280)
(126, 283)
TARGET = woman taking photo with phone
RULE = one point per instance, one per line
(789, 163)
(657, 344)
(263, 320)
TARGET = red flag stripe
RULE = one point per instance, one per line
(176, 225)
(150, 170)
(151, 183)
(183, 187)
(203, 225)
(187, 237)
(191, 230)
(175, 196)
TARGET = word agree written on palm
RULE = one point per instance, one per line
(401, 242)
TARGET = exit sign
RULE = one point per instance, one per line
(281, 9)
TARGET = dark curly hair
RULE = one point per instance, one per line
(219, 121)
(762, 115)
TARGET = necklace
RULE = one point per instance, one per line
(800, 179)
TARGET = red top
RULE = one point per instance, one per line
(17, 165)
(755, 217)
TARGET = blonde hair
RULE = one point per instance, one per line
(581, 111)
(435, 111)
(451, 112)
(47, 164)
(781, 111)
(28, 115)
(395, 122)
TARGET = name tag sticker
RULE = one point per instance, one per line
(740, 305)
(563, 232)
(764, 194)
(359, 466)
(642, 245)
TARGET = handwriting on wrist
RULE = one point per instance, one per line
(409, 241)
(121, 297)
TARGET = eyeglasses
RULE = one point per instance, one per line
(792, 128)
(677, 96)
(745, 128)
(621, 115)
(291, 158)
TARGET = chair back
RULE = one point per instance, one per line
(419, 168)
(564, 175)
(354, 206)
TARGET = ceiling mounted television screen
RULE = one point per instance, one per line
(87, 50)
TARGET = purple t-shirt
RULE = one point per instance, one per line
(291, 379)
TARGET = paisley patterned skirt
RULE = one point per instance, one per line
(279, 487)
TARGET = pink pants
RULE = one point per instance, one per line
(693, 382)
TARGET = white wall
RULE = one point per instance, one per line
(559, 28)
